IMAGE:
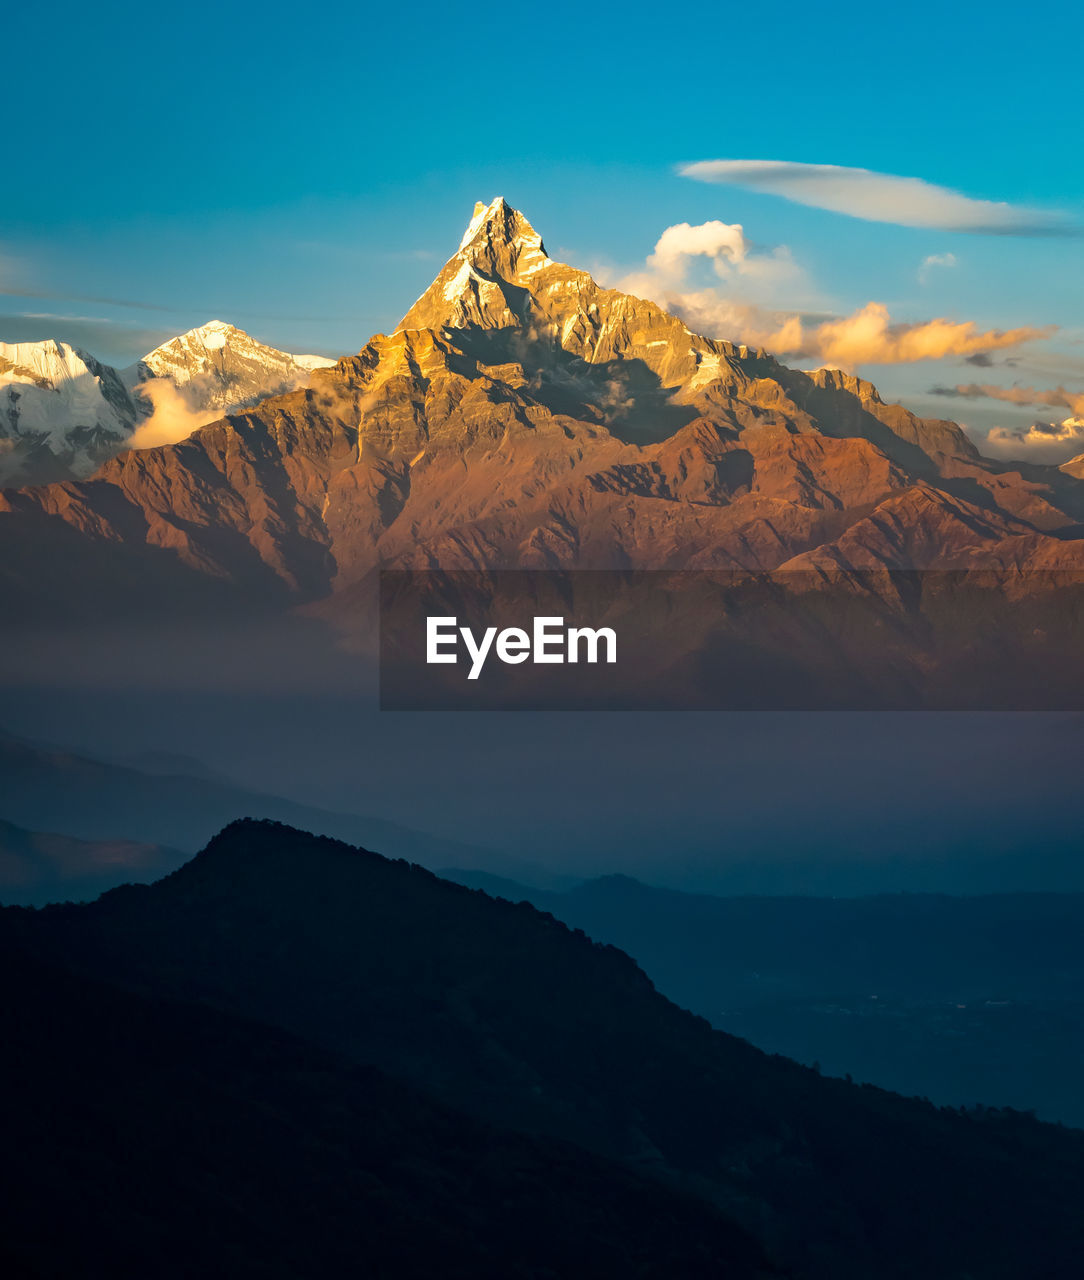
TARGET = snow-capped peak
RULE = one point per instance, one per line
(48, 360)
(481, 213)
(219, 369)
(499, 244)
(61, 411)
(214, 335)
(227, 364)
(497, 228)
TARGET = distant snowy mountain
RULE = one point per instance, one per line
(221, 367)
(1075, 466)
(63, 413)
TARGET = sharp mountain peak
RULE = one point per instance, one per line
(214, 329)
(498, 223)
(499, 249)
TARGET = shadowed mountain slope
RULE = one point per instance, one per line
(505, 1013)
(151, 1137)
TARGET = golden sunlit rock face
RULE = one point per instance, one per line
(523, 416)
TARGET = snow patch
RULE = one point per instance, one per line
(458, 282)
(709, 368)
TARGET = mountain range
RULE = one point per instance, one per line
(63, 413)
(271, 937)
(523, 416)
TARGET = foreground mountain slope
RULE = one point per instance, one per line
(524, 416)
(503, 1012)
(153, 1137)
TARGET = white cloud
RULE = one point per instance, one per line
(881, 197)
(734, 259)
(720, 241)
(933, 260)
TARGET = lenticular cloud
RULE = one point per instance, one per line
(881, 197)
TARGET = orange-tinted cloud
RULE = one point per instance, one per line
(867, 336)
(172, 419)
(1055, 397)
(870, 337)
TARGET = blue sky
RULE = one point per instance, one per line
(304, 173)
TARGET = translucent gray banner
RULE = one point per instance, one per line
(836, 640)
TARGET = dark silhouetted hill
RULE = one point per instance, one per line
(504, 1013)
(146, 1137)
